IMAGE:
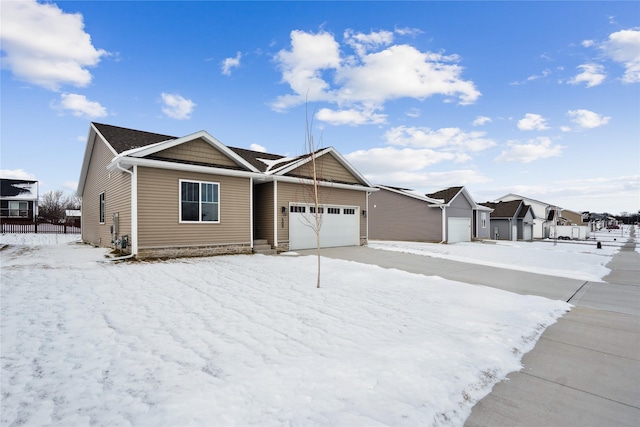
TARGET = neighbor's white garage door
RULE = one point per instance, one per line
(459, 230)
(340, 226)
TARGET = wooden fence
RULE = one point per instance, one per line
(39, 227)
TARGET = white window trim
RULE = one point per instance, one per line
(180, 220)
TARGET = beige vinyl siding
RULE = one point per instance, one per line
(298, 193)
(117, 189)
(197, 150)
(393, 216)
(263, 212)
(328, 169)
(158, 210)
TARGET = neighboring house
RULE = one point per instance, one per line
(512, 220)
(573, 218)
(18, 200)
(156, 195)
(545, 215)
(448, 216)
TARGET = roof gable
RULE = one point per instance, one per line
(329, 163)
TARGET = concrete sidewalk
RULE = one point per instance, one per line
(584, 370)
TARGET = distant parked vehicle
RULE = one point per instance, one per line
(613, 227)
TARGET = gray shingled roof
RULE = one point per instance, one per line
(446, 194)
(123, 139)
(503, 209)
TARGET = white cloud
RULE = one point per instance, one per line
(445, 139)
(392, 159)
(45, 46)
(624, 47)
(257, 147)
(80, 106)
(414, 112)
(362, 43)
(17, 174)
(316, 69)
(532, 122)
(349, 117)
(588, 119)
(535, 149)
(71, 185)
(592, 75)
(176, 106)
(482, 120)
(587, 43)
(230, 63)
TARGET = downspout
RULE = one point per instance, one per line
(444, 224)
(366, 218)
(134, 212)
(275, 214)
(251, 210)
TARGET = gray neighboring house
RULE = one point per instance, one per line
(446, 216)
(545, 215)
(512, 220)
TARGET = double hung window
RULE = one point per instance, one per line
(199, 201)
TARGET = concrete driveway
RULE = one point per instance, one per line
(584, 370)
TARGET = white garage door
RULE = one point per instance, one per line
(340, 226)
(459, 230)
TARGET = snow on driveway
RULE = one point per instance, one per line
(249, 340)
(581, 261)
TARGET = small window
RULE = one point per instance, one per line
(102, 208)
(312, 209)
(333, 211)
(348, 211)
(483, 218)
(297, 209)
(199, 201)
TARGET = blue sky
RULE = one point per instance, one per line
(540, 99)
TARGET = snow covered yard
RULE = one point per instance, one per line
(575, 260)
(248, 340)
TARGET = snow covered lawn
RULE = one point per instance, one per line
(581, 261)
(248, 340)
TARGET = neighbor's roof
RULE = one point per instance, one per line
(504, 209)
(447, 194)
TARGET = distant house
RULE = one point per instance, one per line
(512, 220)
(545, 215)
(569, 217)
(18, 200)
(155, 195)
(446, 216)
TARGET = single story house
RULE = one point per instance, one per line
(545, 215)
(512, 220)
(154, 195)
(446, 216)
(18, 200)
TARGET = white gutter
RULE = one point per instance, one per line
(131, 161)
(275, 214)
(306, 181)
(134, 211)
(444, 224)
(251, 210)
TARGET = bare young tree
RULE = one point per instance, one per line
(52, 206)
(311, 185)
